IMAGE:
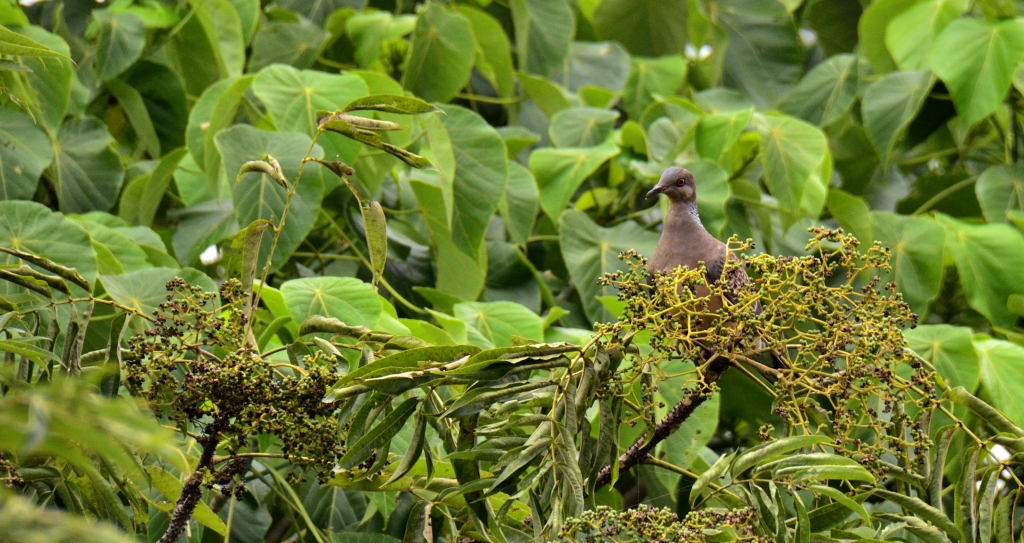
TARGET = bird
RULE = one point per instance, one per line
(685, 242)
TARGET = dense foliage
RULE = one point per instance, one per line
(350, 271)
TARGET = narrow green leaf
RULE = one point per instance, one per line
(414, 451)
(390, 103)
(923, 511)
(774, 449)
(379, 434)
(841, 498)
(376, 236)
(12, 43)
(717, 470)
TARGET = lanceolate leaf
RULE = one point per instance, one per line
(379, 435)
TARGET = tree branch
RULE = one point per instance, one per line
(641, 449)
(191, 492)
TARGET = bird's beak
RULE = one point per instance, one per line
(655, 191)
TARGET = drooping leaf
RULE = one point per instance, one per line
(379, 435)
(24, 154)
(916, 256)
(1000, 188)
(87, 171)
(976, 59)
(493, 51)
(519, 206)
(1002, 373)
(441, 56)
(985, 256)
(559, 172)
(797, 163)
(122, 36)
(543, 31)
(347, 299)
(890, 104)
(499, 321)
(591, 251)
(826, 93)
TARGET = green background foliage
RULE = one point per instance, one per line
(123, 125)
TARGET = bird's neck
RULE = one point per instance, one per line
(682, 230)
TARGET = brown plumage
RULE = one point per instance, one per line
(685, 242)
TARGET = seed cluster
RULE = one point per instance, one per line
(647, 524)
(837, 331)
(196, 368)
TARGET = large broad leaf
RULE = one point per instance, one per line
(442, 54)
(989, 259)
(122, 38)
(890, 104)
(458, 273)
(560, 172)
(976, 59)
(1000, 188)
(1002, 376)
(581, 126)
(293, 97)
(347, 299)
(826, 93)
(916, 256)
(115, 252)
(684, 445)
(590, 251)
(33, 228)
(651, 28)
(911, 34)
(765, 55)
(200, 226)
(852, 214)
(519, 206)
(370, 30)
(543, 30)
(797, 163)
(601, 65)
(872, 29)
(87, 171)
(651, 77)
(24, 154)
(950, 350)
(213, 112)
(481, 174)
(50, 78)
(164, 96)
(257, 196)
(713, 186)
(493, 56)
(717, 132)
(499, 321)
(145, 290)
(319, 10)
(293, 43)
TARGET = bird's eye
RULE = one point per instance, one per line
(680, 182)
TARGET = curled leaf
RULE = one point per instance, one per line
(273, 169)
(391, 103)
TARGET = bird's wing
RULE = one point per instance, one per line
(736, 277)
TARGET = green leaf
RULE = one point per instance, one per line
(650, 28)
(923, 511)
(976, 59)
(135, 110)
(840, 498)
(87, 171)
(590, 251)
(257, 196)
(294, 96)
(765, 55)
(413, 451)
(1000, 188)
(213, 112)
(851, 213)
(379, 435)
(170, 487)
(559, 172)
(442, 54)
(716, 471)
(347, 299)
(390, 103)
(950, 351)
(686, 443)
(771, 450)
(1002, 375)
(29, 352)
(717, 132)
(115, 252)
(50, 77)
(916, 256)
(481, 175)
(581, 126)
(296, 44)
(458, 273)
(543, 32)
(519, 205)
(650, 78)
(157, 186)
(499, 321)
(872, 30)
(33, 228)
(493, 57)
(418, 358)
(145, 290)
(370, 30)
(376, 226)
(25, 153)
(12, 43)
(890, 104)
(797, 163)
(826, 93)
(911, 35)
(200, 226)
(122, 37)
(986, 257)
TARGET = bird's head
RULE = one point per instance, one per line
(677, 184)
